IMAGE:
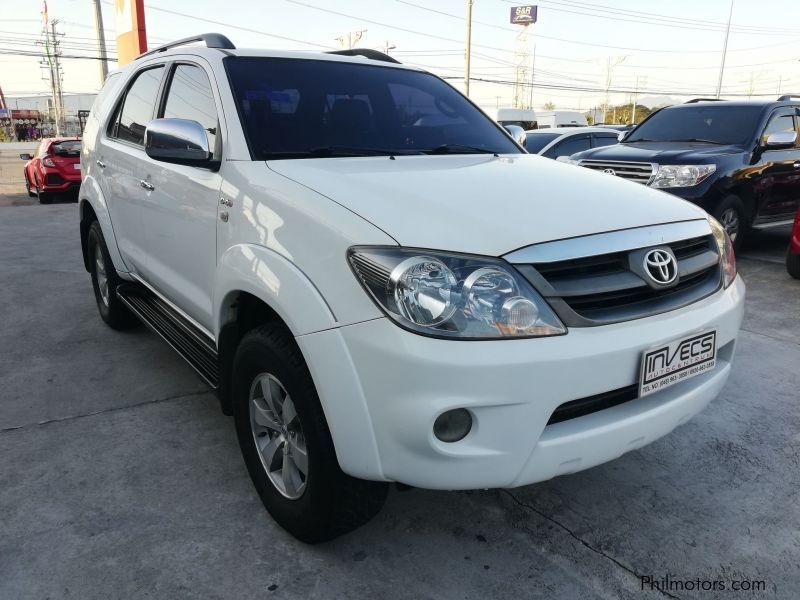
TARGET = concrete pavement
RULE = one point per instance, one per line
(120, 478)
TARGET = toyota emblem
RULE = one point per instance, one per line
(609, 171)
(661, 266)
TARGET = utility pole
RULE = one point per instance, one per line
(635, 98)
(611, 63)
(387, 47)
(101, 40)
(724, 51)
(533, 70)
(59, 93)
(468, 55)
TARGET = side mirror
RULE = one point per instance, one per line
(781, 139)
(179, 141)
(25, 156)
(621, 135)
(518, 133)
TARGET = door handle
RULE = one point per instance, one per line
(147, 185)
(100, 164)
(796, 165)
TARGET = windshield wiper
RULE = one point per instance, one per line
(459, 149)
(348, 151)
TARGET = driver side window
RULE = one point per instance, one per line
(778, 123)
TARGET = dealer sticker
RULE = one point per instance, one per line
(677, 361)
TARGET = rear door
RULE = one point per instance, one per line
(777, 178)
(179, 214)
(604, 139)
(119, 157)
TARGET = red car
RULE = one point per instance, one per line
(793, 254)
(54, 168)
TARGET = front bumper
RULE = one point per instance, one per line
(382, 388)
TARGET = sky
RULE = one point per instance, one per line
(665, 50)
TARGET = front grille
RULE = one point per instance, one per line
(639, 172)
(609, 288)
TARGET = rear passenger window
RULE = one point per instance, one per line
(139, 106)
(569, 147)
(605, 140)
(190, 97)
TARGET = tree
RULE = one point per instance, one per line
(549, 106)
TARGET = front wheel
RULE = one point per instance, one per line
(731, 215)
(287, 445)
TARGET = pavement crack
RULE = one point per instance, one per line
(104, 411)
(772, 337)
(583, 542)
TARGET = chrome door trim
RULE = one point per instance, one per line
(621, 240)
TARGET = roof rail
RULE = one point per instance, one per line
(693, 100)
(788, 97)
(212, 40)
(366, 53)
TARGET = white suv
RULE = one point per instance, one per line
(383, 286)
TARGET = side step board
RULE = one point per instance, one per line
(192, 344)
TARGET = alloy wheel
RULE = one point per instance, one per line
(278, 436)
(730, 221)
(102, 276)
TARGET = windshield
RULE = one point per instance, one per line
(536, 141)
(294, 108)
(717, 124)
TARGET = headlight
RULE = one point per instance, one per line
(568, 160)
(451, 295)
(725, 247)
(669, 176)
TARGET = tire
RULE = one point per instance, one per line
(43, 197)
(324, 503)
(28, 189)
(793, 265)
(730, 212)
(105, 282)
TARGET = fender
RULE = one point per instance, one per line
(90, 193)
(274, 279)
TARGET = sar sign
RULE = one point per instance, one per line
(523, 15)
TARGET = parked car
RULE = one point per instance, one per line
(383, 286)
(54, 168)
(549, 119)
(618, 128)
(740, 161)
(793, 253)
(552, 143)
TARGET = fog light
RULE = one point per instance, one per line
(452, 425)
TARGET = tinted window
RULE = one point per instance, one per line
(137, 110)
(67, 148)
(716, 123)
(604, 140)
(110, 84)
(778, 123)
(190, 97)
(569, 147)
(306, 109)
(537, 141)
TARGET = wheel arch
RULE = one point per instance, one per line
(93, 207)
(256, 285)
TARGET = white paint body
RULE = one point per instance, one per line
(560, 118)
(285, 241)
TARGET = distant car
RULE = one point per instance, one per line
(622, 128)
(552, 143)
(55, 167)
(553, 119)
(793, 254)
(738, 160)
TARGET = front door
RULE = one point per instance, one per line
(179, 213)
(778, 186)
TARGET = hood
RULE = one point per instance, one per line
(664, 153)
(483, 204)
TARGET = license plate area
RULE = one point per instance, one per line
(677, 361)
(77, 166)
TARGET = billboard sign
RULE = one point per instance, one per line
(523, 15)
(131, 31)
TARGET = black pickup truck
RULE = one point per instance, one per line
(740, 161)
